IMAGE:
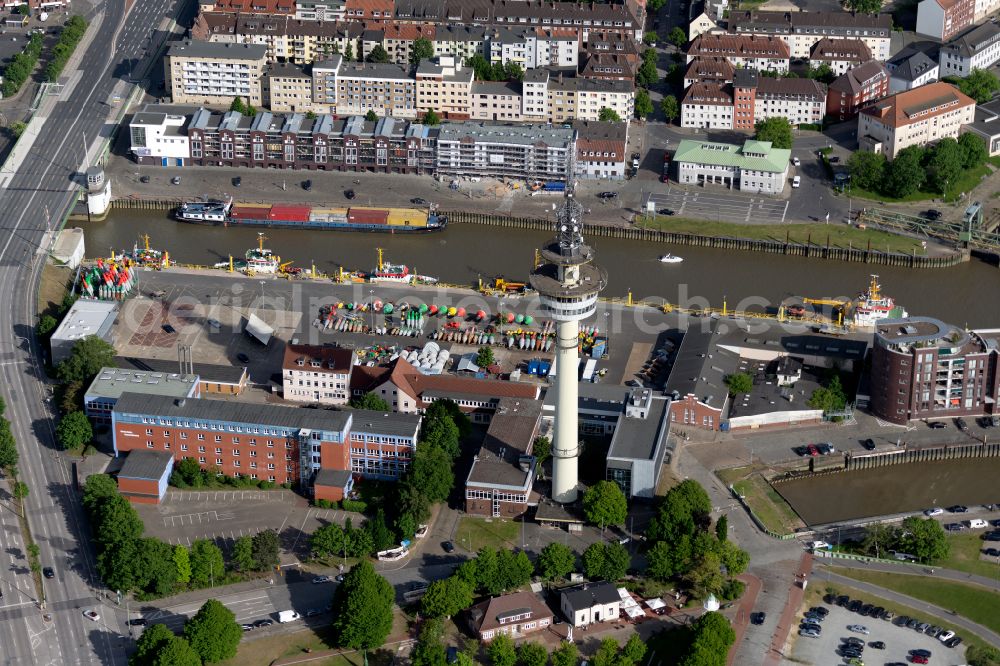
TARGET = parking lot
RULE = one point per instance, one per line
(899, 641)
(718, 204)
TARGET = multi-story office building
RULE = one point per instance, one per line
(924, 368)
(914, 118)
(856, 89)
(943, 19)
(288, 88)
(911, 68)
(474, 149)
(317, 374)
(755, 166)
(214, 74)
(269, 442)
(801, 30)
(764, 53)
(839, 55)
(496, 101)
(978, 48)
(110, 383)
(444, 87)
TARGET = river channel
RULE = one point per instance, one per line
(967, 294)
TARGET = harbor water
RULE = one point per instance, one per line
(966, 294)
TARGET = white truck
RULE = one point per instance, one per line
(288, 616)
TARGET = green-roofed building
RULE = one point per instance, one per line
(755, 166)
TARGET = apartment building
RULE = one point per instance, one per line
(360, 87)
(320, 10)
(802, 101)
(839, 55)
(158, 136)
(248, 6)
(754, 166)
(572, 97)
(365, 10)
(461, 41)
(911, 68)
(978, 48)
(496, 101)
(288, 88)
(269, 442)
(314, 374)
(751, 98)
(600, 149)
(923, 368)
(708, 106)
(987, 125)
(914, 118)
(444, 87)
(396, 38)
(535, 95)
(801, 30)
(856, 89)
(715, 69)
(764, 53)
(214, 74)
(611, 66)
(943, 19)
(500, 151)
(286, 38)
(983, 9)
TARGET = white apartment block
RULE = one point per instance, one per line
(708, 106)
(984, 8)
(978, 48)
(160, 135)
(801, 30)
(914, 118)
(213, 74)
(535, 95)
(357, 88)
(444, 87)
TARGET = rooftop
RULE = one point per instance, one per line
(206, 372)
(504, 459)
(840, 49)
(112, 382)
(86, 317)
(754, 155)
(779, 21)
(374, 70)
(767, 396)
(902, 334)
(710, 43)
(315, 358)
(910, 64)
(332, 478)
(558, 137)
(856, 79)
(638, 438)
(496, 88)
(590, 595)
(146, 465)
(918, 104)
(974, 40)
(217, 50)
(699, 368)
(486, 615)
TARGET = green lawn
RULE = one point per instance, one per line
(975, 603)
(964, 556)
(968, 180)
(768, 505)
(474, 533)
(815, 594)
(733, 474)
(838, 235)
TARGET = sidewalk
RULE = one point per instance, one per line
(787, 621)
(743, 611)
(910, 570)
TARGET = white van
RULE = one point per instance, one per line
(977, 523)
(288, 616)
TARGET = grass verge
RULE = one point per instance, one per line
(815, 594)
(474, 533)
(975, 603)
(772, 510)
(964, 184)
(837, 235)
(964, 555)
(731, 475)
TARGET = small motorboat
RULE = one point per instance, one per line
(670, 259)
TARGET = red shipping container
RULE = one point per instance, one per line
(249, 212)
(290, 212)
(367, 216)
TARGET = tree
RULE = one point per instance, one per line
(829, 398)
(442, 433)
(446, 409)
(372, 402)
(371, 117)
(607, 653)
(556, 561)
(88, 356)
(206, 563)
(513, 570)
(823, 73)
(867, 170)
(182, 562)
(705, 577)
(153, 639)
(421, 49)
(865, 6)
(359, 541)
(735, 559)
(447, 597)
(480, 66)
(213, 632)
(605, 561)
(431, 471)
(431, 118)
(722, 528)
(178, 652)
(242, 557)
(362, 608)
(643, 105)
(377, 54)
(879, 538)
(923, 538)
(8, 447)
(683, 509)
(775, 129)
(349, 52)
(982, 655)
(187, 473)
(74, 431)
(156, 572)
(238, 106)
(608, 115)
(980, 84)
(905, 174)
(945, 163)
(484, 358)
(738, 383)
(973, 149)
(633, 651)
(381, 535)
(513, 71)
(266, 547)
(647, 74)
(46, 324)
(97, 489)
(501, 651)
(604, 504)
(532, 654)
(429, 650)
(18, 127)
(677, 37)
(567, 654)
(542, 449)
(669, 107)
(117, 522)
(326, 540)
(662, 563)
(649, 38)
(712, 636)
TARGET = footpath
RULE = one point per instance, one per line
(788, 615)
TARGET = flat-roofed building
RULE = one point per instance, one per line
(503, 471)
(110, 383)
(572, 97)
(160, 134)
(84, 318)
(914, 118)
(986, 125)
(359, 87)
(444, 87)
(212, 378)
(214, 73)
(145, 475)
(477, 149)
(638, 448)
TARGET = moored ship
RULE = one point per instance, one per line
(873, 306)
(304, 216)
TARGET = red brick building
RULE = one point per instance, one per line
(696, 385)
(856, 89)
(144, 476)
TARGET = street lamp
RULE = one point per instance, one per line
(371, 298)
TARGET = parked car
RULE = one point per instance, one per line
(813, 451)
(321, 579)
(237, 181)
(869, 444)
(448, 547)
(809, 633)
(991, 552)
(826, 448)
(834, 159)
(307, 185)
(843, 600)
(936, 511)
(246, 627)
(992, 536)
(932, 214)
(144, 179)
(962, 425)
(796, 181)
(946, 636)
(418, 201)
(176, 180)
(802, 451)
(855, 605)
(242, 358)
(955, 641)
(935, 425)
(758, 617)
(349, 194)
(49, 572)
(958, 508)
(819, 545)
(921, 653)
(263, 623)
(858, 629)
(796, 161)
(665, 211)
(877, 645)
(607, 195)
(819, 610)
(954, 527)
(918, 659)
(138, 622)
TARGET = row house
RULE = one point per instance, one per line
(269, 442)
(396, 38)
(444, 87)
(911, 68)
(801, 30)
(914, 118)
(743, 51)
(496, 100)
(461, 41)
(709, 106)
(600, 149)
(248, 6)
(839, 55)
(285, 38)
(802, 101)
(214, 74)
(978, 48)
(752, 98)
(943, 19)
(612, 66)
(715, 69)
(856, 89)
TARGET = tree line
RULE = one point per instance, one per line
(70, 36)
(127, 561)
(21, 66)
(210, 636)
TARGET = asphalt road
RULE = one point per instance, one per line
(43, 183)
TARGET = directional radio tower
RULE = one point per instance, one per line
(568, 283)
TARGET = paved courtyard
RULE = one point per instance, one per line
(720, 204)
